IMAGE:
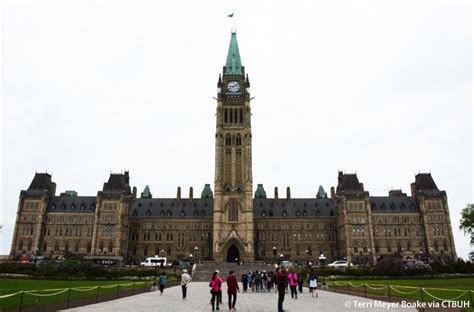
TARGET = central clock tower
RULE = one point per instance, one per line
(233, 203)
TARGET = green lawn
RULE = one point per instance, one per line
(456, 289)
(42, 290)
(457, 283)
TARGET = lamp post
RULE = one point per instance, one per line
(191, 258)
(274, 253)
(196, 249)
(322, 260)
(307, 255)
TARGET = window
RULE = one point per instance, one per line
(76, 247)
(89, 247)
(45, 247)
(233, 212)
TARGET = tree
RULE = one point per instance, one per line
(467, 221)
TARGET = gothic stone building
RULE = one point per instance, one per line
(233, 222)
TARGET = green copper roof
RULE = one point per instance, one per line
(260, 192)
(321, 193)
(70, 193)
(207, 192)
(146, 192)
(233, 65)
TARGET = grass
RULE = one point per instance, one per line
(434, 289)
(42, 290)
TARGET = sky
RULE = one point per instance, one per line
(382, 89)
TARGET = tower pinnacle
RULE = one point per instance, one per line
(233, 65)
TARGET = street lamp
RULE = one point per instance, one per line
(307, 255)
(322, 260)
(191, 258)
(196, 249)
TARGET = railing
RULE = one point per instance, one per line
(461, 298)
(65, 298)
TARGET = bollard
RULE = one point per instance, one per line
(21, 301)
(68, 297)
(422, 300)
(118, 285)
(472, 302)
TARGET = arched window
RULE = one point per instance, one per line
(56, 246)
(231, 119)
(241, 115)
(76, 247)
(20, 246)
(399, 247)
(111, 247)
(436, 246)
(238, 140)
(30, 245)
(89, 247)
(233, 212)
(225, 115)
(228, 140)
(101, 247)
(45, 247)
(445, 246)
(355, 246)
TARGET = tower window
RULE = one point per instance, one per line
(228, 140)
(225, 115)
(233, 212)
(241, 115)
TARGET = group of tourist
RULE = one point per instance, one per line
(279, 281)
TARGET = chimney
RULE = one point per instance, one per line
(276, 192)
(333, 192)
(288, 193)
(191, 193)
(178, 196)
(134, 192)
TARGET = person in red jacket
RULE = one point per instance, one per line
(232, 289)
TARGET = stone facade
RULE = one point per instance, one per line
(233, 223)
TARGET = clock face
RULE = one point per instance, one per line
(233, 86)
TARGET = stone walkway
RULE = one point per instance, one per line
(199, 297)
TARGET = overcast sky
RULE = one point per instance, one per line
(382, 89)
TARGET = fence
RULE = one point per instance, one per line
(65, 298)
(391, 292)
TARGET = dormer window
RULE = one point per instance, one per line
(264, 213)
(196, 213)
(298, 213)
(148, 213)
(162, 213)
(92, 207)
(168, 213)
(83, 206)
(135, 213)
(318, 213)
(270, 213)
(203, 213)
(63, 206)
(181, 213)
(53, 207)
(284, 213)
(305, 213)
(73, 206)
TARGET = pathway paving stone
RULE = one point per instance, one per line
(199, 297)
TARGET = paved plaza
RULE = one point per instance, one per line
(199, 297)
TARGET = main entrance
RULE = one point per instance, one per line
(233, 254)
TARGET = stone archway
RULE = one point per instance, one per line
(233, 254)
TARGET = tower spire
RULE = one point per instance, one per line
(233, 65)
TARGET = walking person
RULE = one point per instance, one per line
(219, 293)
(249, 280)
(293, 279)
(281, 281)
(244, 281)
(215, 285)
(313, 284)
(232, 289)
(185, 280)
(163, 282)
(300, 283)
